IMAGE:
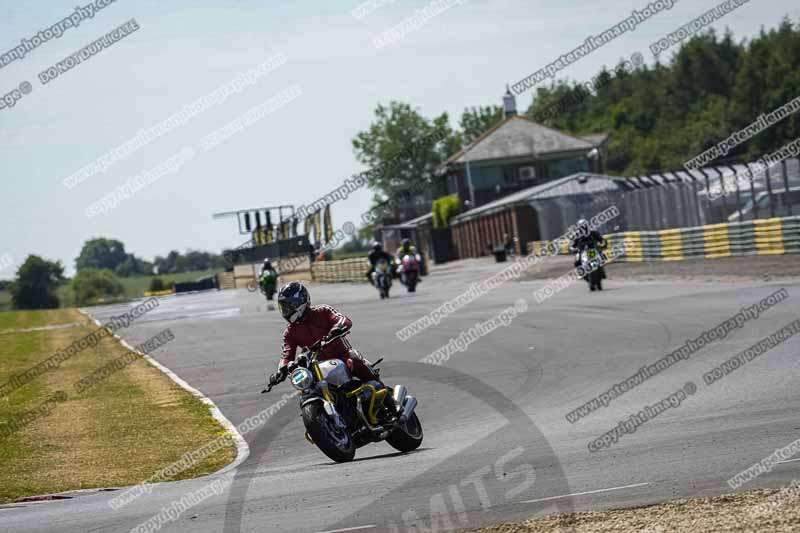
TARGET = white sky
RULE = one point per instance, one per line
(186, 49)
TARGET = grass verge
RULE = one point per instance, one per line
(116, 433)
(757, 511)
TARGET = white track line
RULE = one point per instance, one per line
(583, 493)
(348, 529)
(787, 461)
(242, 449)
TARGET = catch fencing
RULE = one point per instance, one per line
(707, 196)
(772, 236)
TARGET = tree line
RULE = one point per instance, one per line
(658, 116)
(110, 254)
(661, 116)
(100, 266)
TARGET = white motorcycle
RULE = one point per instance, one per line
(341, 413)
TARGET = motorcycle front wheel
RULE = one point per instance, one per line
(595, 281)
(334, 442)
(408, 437)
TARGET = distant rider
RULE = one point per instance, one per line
(310, 324)
(406, 248)
(376, 255)
(509, 244)
(267, 267)
(586, 237)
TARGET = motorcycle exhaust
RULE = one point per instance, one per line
(408, 408)
(399, 394)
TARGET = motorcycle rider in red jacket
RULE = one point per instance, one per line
(309, 324)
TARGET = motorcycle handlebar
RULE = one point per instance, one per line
(317, 347)
(313, 352)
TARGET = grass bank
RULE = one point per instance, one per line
(761, 511)
(56, 436)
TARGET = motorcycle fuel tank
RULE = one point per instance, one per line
(334, 372)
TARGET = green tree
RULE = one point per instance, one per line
(661, 116)
(92, 285)
(36, 283)
(477, 120)
(353, 246)
(403, 150)
(195, 260)
(133, 266)
(101, 253)
(172, 264)
(192, 261)
(445, 208)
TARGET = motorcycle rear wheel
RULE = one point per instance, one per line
(336, 443)
(408, 437)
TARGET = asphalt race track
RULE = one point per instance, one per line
(497, 444)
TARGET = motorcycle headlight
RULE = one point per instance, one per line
(302, 379)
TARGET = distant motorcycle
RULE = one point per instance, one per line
(341, 413)
(382, 278)
(268, 282)
(409, 271)
(591, 262)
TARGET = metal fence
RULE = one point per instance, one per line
(681, 199)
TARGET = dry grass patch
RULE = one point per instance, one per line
(758, 511)
(117, 433)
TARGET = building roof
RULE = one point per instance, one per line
(596, 138)
(413, 223)
(581, 183)
(518, 136)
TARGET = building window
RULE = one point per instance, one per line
(566, 167)
(527, 174)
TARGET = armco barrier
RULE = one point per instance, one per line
(204, 284)
(165, 292)
(771, 236)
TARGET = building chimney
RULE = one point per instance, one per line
(509, 104)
